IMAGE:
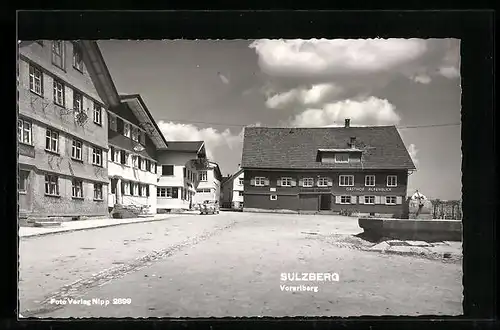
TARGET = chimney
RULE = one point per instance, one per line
(353, 142)
(347, 123)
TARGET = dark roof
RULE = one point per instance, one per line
(297, 148)
(188, 146)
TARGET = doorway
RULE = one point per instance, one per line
(325, 203)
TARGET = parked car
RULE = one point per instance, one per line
(209, 207)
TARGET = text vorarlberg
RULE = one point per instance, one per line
(306, 277)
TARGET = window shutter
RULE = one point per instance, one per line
(252, 182)
(353, 199)
(384, 200)
(294, 182)
(119, 125)
(301, 182)
(278, 182)
(103, 159)
(399, 200)
(147, 190)
(330, 182)
(266, 182)
(377, 199)
(337, 199)
(317, 182)
(361, 199)
(90, 154)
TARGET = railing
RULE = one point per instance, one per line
(451, 210)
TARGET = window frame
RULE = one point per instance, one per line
(55, 84)
(75, 98)
(306, 184)
(112, 122)
(77, 189)
(341, 153)
(345, 196)
(56, 56)
(75, 148)
(260, 181)
(51, 180)
(273, 197)
(22, 130)
(241, 181)
(98, 188)
(126, 129)
(163, 173)
(391, 197)
(51, 140)
(367, 179)
(395, 177)
(203, 176)
(33, 79)
(135, 133)
(97, 114)
(77, 58)
(23, 177)
(371, 197)
(97, 155)
(324, 179)
(341, 184)
(287, 180)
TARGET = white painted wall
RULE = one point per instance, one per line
(237, 187)
(211, 183)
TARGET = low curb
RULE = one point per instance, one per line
(88, 228)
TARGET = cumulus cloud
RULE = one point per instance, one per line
(449, 72)
(329, 57)
(304, 96)
(370, 111)
(213, 138)
(450, 66)
(422, 78)
(412, 150)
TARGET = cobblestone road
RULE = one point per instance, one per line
(230, 265)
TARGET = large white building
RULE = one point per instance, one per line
(209, 187)
(178, 169)
(232, 191)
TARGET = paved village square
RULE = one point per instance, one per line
(230, 265)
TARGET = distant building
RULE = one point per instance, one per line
(232, 191)
(178, 168)
(339, 169)
(209, 187)
(62, 130)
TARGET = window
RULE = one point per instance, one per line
(24, 131)
(345, 199)
(135, 134)
(22, 184)
(58, 92)
(97, 114)
(161, 192)
(260, 181)
(323, 182)
(370, 180)
(167, 170)
(123, 158)
(134, 161)
(369, 199)
(58, 54)
(392, 181)
(142, 139)
(241, 181)
(112, 122)
(126, 129)
(240, 193)
(116, 155)
(390, 200)
(286, 182)
(77, 101)
(203, 175)
(153, 167)
(51, 185)
(76, 150)
(346, 180)
(342, 158)
(77, 58)
(135, 189)
(96, 156)
(77, 189)
(51, 140)
(98, 191)
(307, 182)
(273, 197)
(175, 192)
(36, 80)
(126, 188)
(143, 190)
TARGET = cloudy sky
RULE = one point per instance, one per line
(209, 90)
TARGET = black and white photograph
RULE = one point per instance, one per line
(239, 178)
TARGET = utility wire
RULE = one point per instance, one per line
(243, 125)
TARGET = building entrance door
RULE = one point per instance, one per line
(325, 202)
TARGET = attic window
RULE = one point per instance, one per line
(342, 157)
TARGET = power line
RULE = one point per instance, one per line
(244, 125)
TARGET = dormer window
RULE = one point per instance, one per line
(342, 157)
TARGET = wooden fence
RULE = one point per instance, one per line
(451, 210)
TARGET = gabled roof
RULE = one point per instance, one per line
(186, 146)
(232, 177)
(141, 112)
(297, 148)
